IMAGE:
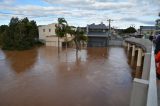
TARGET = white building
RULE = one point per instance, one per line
(147, 30)
(157, 26)
(48, 35)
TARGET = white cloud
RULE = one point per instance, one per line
(91, 4)
(82, 12)
(129, 19)
(7, 2)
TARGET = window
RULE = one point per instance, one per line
(43, 30)
(49, 30)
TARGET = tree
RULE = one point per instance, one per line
(2, 30)
(62, 29)
(59, 29)
(79, 37)
(20, 35)
(130, 30)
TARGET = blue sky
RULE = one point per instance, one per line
(125, 13)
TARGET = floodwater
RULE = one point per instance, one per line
(39, 77)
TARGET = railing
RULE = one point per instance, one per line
(144, 91)
(152, 90)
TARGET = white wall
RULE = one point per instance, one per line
(50, 38)
(43, 34)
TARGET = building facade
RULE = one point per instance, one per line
(48, 35)
(158, 26)
(147, 31)
(97, 35)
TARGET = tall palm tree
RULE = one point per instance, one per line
(64, 27)
(60, 29)
(79, 37)
(66, 31)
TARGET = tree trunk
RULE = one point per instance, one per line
(66, 42)
(77, 47)
(58, 47)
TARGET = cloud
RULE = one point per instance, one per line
(91, 4)
(146, 22)
(84, 11)
(7, 1)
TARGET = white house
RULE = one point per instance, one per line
(48, 35)
(147, 30)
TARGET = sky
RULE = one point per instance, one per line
(124, 13)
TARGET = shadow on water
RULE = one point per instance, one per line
(21, 61)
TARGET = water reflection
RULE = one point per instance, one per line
(21, 61)
(95, 77)
(2, 55)
(132, 63)
(97, 53)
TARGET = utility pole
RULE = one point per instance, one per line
(110, 20)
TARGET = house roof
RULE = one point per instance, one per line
(99, 26)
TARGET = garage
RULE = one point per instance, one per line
(97, 41)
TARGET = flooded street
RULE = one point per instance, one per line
(39, 77)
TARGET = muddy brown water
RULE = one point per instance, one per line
(38, 77)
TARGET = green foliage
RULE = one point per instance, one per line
(79, 37)
(130, 30)
(20, 34)
(62, 29)
(2, 30)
